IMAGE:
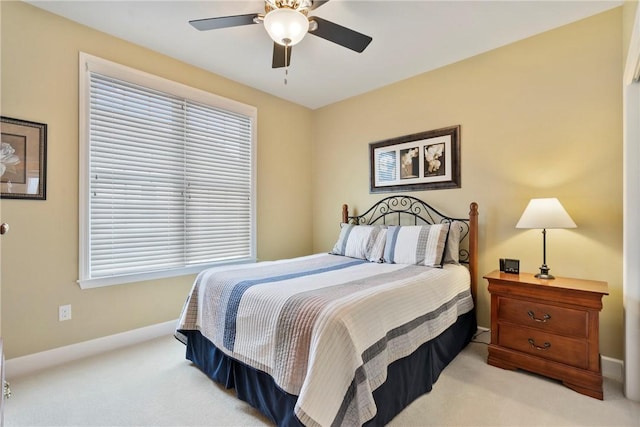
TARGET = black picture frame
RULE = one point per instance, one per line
(427, 160)
(23, 166)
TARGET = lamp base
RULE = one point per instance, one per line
(544, 273)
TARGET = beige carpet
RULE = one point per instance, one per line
(151, 384)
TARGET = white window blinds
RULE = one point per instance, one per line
(170, 183)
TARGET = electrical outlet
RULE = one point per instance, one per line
(64, 312)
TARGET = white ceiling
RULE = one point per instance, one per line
(409, 38)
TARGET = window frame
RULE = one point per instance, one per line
(89, 63)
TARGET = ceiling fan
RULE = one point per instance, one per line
(287, 22)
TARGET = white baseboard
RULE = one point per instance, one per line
(612, 368)
(34, 362)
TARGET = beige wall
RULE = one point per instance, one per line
(40, 254)
(540, 118)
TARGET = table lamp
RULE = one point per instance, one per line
(545, 213)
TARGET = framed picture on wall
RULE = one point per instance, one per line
(23, 161)
(427, 160)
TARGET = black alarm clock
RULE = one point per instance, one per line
(508, 265)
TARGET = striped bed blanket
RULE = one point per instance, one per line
(325, 327)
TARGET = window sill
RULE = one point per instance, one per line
(161, 274)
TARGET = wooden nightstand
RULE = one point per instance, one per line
(549, 327)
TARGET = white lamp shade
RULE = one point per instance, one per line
(545, 213)
(286, 26)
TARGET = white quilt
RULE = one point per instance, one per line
(326, 327)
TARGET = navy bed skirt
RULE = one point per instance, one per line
(407, 378)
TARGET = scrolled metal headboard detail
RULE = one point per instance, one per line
(400, 206)
(408, 210)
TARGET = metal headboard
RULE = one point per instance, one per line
(408, 210)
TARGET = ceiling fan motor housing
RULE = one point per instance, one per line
(302, 6)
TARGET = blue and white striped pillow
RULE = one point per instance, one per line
(416, 244)
(361, 241)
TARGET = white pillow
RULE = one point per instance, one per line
(361, 241)
(416, 244)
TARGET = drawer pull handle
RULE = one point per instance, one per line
(546, 346)
(544, 319)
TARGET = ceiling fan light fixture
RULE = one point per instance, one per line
(286, 26)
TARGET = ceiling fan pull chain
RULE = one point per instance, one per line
(286, 64)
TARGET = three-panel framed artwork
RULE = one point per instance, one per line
(427, 160)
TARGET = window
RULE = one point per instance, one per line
(167, 177)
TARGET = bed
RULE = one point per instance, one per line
(349, 337)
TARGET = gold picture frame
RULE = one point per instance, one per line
(23, 159)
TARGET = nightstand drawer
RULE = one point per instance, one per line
(546, 317)
(538, 343)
